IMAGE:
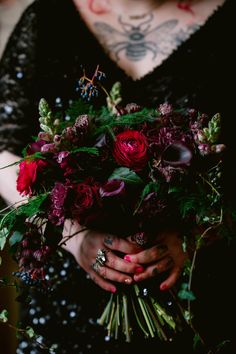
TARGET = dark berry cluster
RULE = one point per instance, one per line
(88, 86)
(26, 278)
(31, 256)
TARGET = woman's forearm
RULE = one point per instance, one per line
(8, 178)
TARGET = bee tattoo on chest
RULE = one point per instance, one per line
(138, 41)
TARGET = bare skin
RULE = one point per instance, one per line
(140, 35)
(136, 265)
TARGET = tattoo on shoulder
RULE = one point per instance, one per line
(138, 41)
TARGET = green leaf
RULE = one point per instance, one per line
(15, 238)
(127, 175)
(196, 341)
(89, 150)
(30, 332)
(150, 187)
(4, 316)
(185, 293)
(3, 237)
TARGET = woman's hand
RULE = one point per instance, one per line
(166, 255)
(84, 246)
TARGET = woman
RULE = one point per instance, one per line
(159, 51)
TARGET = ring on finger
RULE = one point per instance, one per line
(101, 259)
(96, 266)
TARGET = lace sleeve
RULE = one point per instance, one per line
(17, 74)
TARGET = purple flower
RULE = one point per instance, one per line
(58, 196)
(49, 148)
(35, 146)
(113, 187)
(165, 108)
(62, 155)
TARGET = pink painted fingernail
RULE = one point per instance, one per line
(113, 290)
(139, 269)
(127, 258)
(163, 287)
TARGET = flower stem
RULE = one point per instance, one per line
(126, 319)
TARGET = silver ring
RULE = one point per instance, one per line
(96, 266)
(101, 259)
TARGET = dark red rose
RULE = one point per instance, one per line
(131, 149)
(85, 197)
(28, 174)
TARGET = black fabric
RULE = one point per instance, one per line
(43, 59)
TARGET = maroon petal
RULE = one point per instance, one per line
(177, 154)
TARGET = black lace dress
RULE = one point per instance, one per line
(43, 59)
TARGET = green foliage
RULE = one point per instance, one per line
(15, 238)
(89, 150)
(127, 175)
(4, 316)
(212, 132)
(196, 341)
(30, 332)
(15, 216)
(79, 107)
(185, 293)
(187, 204)
(114, 97)
(149, 188)
(107, 121)
(3, 237)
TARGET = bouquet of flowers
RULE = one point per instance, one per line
(126, 170)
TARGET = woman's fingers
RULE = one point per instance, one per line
(111, 274)
(172, 278)
(148, 255)
(104, 284)
(166, 256)
(118, 263)
(154, 270)
(114, 268)
(121, 245)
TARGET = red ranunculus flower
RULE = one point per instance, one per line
(85, 197)
(131, 149)
(28, 174)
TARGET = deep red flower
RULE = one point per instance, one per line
(85, 197)
(131, 149)
(28, 174)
